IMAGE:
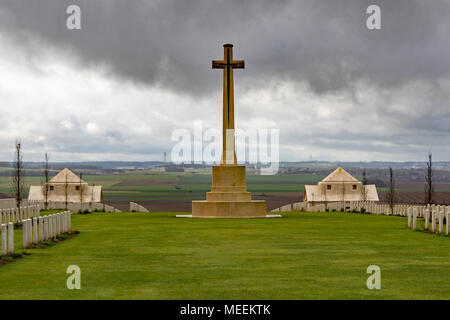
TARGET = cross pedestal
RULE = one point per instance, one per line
(229, 197)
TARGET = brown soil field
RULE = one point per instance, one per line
(138, 183)
(417, 197)
(420, 186)
(273, 201)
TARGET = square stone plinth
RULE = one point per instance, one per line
(226, 209)
(228, 197)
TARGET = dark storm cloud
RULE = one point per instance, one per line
(334, 88)
(170, 43)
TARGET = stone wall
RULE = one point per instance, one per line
(135, 207)
(76, 206)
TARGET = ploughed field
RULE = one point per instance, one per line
(175, 191)
(301, 256)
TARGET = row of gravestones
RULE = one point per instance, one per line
(18, 214)
(12, 203)
(375, 207)
(358, 206)
(35, 230)
(437, 214)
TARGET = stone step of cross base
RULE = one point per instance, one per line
(228, 196)
(229, 209)
(228, 188)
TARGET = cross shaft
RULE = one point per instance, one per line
(228, 64)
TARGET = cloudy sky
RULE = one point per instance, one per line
(138, 70)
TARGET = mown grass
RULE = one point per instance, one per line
(302, 256)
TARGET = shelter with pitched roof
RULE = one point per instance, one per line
(66, 186)
(339, 186)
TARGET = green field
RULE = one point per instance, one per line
(302, 256)
(151, 185)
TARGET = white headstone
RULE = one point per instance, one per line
(45, 228)
(409, 216)
(64, 221)
(24, 234)
(35, 231)
(10, 238)
(415, 213)
(441, 220)
(50, 226)
(41, 229)
(433, 220)
(54, 228)
(58, 224)
(4, 240)
(447, 217)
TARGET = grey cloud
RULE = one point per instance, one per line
(171, 43)
(321, 44)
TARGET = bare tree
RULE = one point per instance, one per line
(46, 187)
(343, 196)
(429, 188)
(17, 184)
(81, 188)
(66, 192)
(391, 191)
(92, 196)
(364, 183)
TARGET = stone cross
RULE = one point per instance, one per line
(228, 64)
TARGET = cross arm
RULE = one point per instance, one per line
(222, 64)
(238, 64)
(219, 64)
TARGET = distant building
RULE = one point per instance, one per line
(66, 186)
(339, 186)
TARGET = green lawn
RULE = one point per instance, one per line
(302, 256)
